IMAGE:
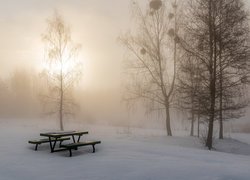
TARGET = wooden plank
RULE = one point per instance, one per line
(40, 141)
(62, 134)
(73, 145)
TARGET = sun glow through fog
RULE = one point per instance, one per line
(57, 67)
(82, 61)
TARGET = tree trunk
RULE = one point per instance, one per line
(192, 121)
(192, 126)
(198, 125)
(209, 142)
(221, 81)
(61, 112)
(221, 128)
(220, 110)
(168, 125)
(212, 45)
(198, 121)
(61, 100)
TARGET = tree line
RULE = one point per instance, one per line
(194, 58)
(18, 94)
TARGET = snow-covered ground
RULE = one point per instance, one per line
(142, 156)
(243, 137)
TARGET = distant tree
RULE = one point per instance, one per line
(3, 86)
(4, 97)
(21, 84)
(22, 96)
(188, 89)
(61, 71)
(153, 67)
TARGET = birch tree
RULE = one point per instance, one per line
(62, 70)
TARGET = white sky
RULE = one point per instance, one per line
(95, 24)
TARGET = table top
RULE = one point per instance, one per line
(63, 133)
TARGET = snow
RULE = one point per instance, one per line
(232, 146)
(121, 157)
(243, 137)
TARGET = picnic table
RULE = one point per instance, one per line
(60, 136)
(54, 137)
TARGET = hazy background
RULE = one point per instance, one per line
(96, 25)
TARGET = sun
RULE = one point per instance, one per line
(63, 66)
(76, 68)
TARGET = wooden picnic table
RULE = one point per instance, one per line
(54, 136)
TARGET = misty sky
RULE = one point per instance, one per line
(95, 24)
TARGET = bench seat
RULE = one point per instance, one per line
(46, 140)
(78, 144)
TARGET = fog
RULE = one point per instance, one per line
(94, 24)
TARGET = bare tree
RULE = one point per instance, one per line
(233, 53)
(217, 34)
(189, 89)
(153, 67)
(62, 70)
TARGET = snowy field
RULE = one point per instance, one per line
(146, 155)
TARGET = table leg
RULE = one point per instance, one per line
(54, 145)
(70, 152)
(36, 147)
(73, 137)
(50, 144)
(93, 148)
(79, 137)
